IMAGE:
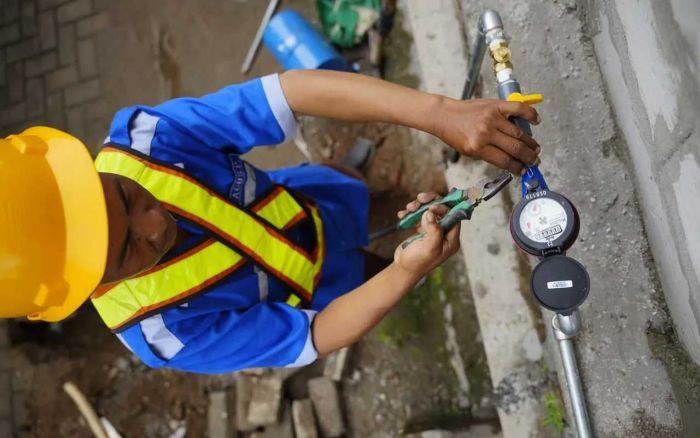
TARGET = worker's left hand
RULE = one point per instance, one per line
(424, 254)
(480, 129)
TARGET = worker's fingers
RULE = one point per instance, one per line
(492, 154)
(433, 232)
(451, 244)
(511, 130)
(439, 210)
(422, 198)
(513, 147)
(519, 109)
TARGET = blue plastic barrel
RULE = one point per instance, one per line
(298, 45)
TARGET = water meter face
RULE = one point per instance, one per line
(544, 222)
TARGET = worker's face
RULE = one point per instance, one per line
(141, 230)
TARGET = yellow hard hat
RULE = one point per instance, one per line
(53, 225)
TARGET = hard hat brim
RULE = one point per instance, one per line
(84, 206)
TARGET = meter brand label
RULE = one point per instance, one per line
(538, 194)
(561, 284)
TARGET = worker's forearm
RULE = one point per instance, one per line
(347, 318)
(355, 97)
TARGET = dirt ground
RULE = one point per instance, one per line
(401, 379)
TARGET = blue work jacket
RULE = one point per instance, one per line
(242, 321)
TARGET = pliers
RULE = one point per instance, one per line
(460, 201)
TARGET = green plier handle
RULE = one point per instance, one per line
(452, 199)
(461, 211)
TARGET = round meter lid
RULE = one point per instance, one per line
(560, 283)
(544, 222)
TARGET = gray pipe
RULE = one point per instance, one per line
(488, 20)
(565, 327)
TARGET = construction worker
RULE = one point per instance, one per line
(197, 260)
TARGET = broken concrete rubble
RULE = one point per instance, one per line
(324, 395)
(303, 418)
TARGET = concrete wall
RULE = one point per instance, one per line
(649, 54)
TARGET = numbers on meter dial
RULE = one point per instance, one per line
(543, 220)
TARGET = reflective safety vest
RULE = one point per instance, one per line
(256, 234)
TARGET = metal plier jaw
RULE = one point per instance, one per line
(486, 188)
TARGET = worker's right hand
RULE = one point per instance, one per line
(481, 129)
(429, 251)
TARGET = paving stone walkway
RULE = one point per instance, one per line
(49, 69)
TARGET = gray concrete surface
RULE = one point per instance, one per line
(628, 389)
(622, 379)
(649, 54)
(509, 334)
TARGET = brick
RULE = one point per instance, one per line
(217, 417)
(87, 58)
(47, 30)
(5, 407)
(54, 110)
(10, 10)
(66, 44)
(75, 122)
(19, 410)
(304, 419)
(265, 400)
(62, 77)
(15, 82)
(283, 429)
(46, 4)
(334, 368)
(9, 33)
(4, 336)
(101, 5)
(35, 97)
(74, 10)
(93, 24)
(324, 395)
(23, 49)
(28, 18)
(81, 92)
(3, 69)
(5, 427)
(54, 101)
(244, 392)
(38, 65)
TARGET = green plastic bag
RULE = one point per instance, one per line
(345, 22)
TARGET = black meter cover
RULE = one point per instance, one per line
(544, 223)
(560, 283)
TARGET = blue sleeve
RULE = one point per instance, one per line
(235, 118)
(265, 335)
(241, 116)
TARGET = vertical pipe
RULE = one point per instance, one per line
(475, 61)
(573, 381)
(565, 328)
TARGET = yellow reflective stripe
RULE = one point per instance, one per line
(293, 300)
(135, 297)
(280, 210)
(191, 200)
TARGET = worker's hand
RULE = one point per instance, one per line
(480, 129)
(424, 254)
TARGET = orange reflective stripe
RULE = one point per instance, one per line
(277, 208)
(166, 284)
(190, 273)
(242, 229)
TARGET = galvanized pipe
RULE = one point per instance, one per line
(488, 21)
(565, 327)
